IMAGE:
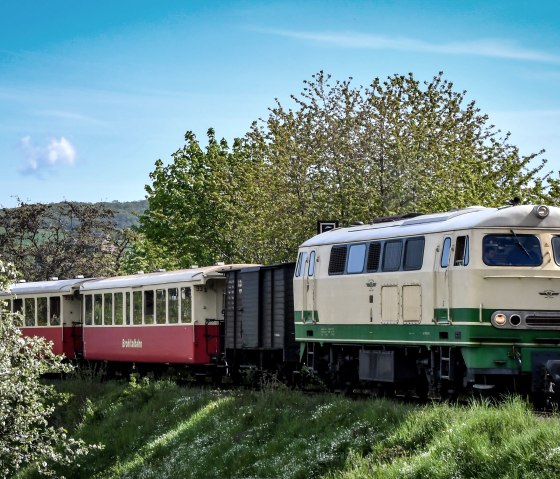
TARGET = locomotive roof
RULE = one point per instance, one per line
(46, 287)
(521, 216)
(161, 277)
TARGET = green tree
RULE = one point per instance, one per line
(63, 240)
(26, 403)
(197, 204)
(397, 146)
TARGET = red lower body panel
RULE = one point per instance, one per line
(182, 344)
(53, 334)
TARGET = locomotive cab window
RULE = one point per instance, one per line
(392, 255)
(556, 249)
(311, 270)
(512, 250)
(445, 252)
(300, 268)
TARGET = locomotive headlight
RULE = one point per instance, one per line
(541, 211)
(500, 319)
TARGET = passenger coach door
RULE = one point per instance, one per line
(441, 292)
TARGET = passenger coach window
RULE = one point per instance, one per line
(55, 310)
(97, 308)
(160, 306)
(118, 308)
(337, 260)
(18, 306)
(374, 255)
(186, 305)
(88, 309)
(137, 307)
(445, 252)
(512, 250)
(42, 314)
(413, 254)
(356, 258)
(173, 305)
(148, 307)
(30, 311)
(392, 255)
(108, 309)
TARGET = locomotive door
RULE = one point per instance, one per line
(309, 288)
(442, 294)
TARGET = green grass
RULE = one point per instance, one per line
(160, 430)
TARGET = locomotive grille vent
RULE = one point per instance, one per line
(337, 261)
(542, 320)
(373, 257)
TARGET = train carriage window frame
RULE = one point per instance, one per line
(355, 261)
(137, 307)
(392, 255)
(42, 311)
(88, 309)
(29, 308)
(108, 309)
(54, 311)
(149, 315)
(161, 306)
(511, 249)
(413, 253)
(118, 308)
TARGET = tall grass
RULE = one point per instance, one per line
(160, 430)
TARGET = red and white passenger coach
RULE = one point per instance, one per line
(163, 317)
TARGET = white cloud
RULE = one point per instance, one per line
(495, 48)
(58, 152)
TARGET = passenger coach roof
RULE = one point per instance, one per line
(521, 216)
(198, 275)
(46, 287)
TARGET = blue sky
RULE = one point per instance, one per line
(93, 93)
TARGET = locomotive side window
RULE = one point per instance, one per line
(148, 307)
(88, 309)
(55, 310)
(337, 260)
(119, 308)
(311, 270)
(512, 250)
(374, 255)
(42, 314)
(160, 306)
(137, 307)
(556, 248)
(392, 255)
(186, 305)
(356, 258)
(300, 268)
(413, 254)
(461, 251)
(30, 311)
(97, 309)
(108, 309)
(173, 305)
(445, 252)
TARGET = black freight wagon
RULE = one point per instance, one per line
(259, 318)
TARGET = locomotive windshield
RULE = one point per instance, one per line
(511, 250)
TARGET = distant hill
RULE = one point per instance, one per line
(126, 212)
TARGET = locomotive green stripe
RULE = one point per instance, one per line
(482, 345)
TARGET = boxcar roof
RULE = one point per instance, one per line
(46, 287)
(162, 277)
(521, 216)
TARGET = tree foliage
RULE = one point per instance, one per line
(196, 206)
(63, 240)
(26, 403)
(342, 152)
